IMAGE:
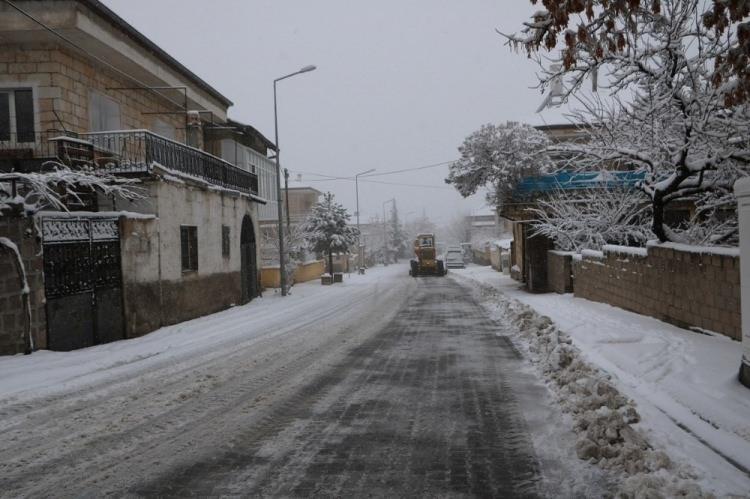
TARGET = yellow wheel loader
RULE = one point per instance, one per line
(426, 261)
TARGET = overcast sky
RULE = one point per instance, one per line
(399, 84)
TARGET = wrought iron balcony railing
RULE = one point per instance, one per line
(133, 151)
(122, 152)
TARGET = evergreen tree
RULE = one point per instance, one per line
(396, 235)
(327, 229)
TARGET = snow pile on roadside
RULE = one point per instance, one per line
(603, 417)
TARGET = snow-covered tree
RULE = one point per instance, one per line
(589, 219)
(397, 238)
(665, 115)
(25, 194)
(607, 28)
(498, 157)
(327, 229)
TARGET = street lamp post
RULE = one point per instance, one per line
(282, 257)
(360, 267)
(385, 233)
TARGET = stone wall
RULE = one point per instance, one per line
(62, 82)
(309, 271)
(305, 272)
(686, 286)
(12, 312)
(559, 271)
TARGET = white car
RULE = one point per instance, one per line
(454, 259)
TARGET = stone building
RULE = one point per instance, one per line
(78, 85)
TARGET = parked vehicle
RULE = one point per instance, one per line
(454, 258)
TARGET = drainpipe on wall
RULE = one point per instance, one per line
(742, 191)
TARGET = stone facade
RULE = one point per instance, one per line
(62, 83)
(12, 313)
(682, 286)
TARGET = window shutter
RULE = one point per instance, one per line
(24, 115)
(4, 116)
(193, 248)
(184, 248)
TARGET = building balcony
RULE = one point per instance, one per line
(126, 152)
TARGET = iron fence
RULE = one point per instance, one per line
(135, 151)
(121, 152)
(30, 145)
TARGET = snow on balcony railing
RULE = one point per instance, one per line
(133, 151)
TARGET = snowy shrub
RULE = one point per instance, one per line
(578, 220)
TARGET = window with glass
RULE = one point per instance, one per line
(16, 115)
(104, 113)
(225, 241)
(189, 246)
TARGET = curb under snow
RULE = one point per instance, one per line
(603, 417)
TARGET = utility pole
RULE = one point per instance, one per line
(360, 249)
(385, 234)
(282, 257)
(286, 194)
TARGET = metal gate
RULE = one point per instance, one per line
(82, 282)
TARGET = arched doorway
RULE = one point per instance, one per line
(248, 253)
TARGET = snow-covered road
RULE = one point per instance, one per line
(382, 385)
(115, 411)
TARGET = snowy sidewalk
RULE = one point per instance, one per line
(43, 373)
(684, 383)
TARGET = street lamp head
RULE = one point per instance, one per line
(368, 171)
(307, 69)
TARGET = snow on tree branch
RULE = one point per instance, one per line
(665, 115)
(27, 193)
(577, 220)
(596, 32)
(327, 229)
(499, 156)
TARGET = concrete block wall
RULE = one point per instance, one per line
(696, 287)
(20, 230)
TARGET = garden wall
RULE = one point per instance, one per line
(13, 315)
(684, 285)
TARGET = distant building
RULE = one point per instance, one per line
(302, 198)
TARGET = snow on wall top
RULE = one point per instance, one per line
(592, 253)
(625, 250)
(704, 250)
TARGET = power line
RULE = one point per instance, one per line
(392, 172)
(329, 178)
